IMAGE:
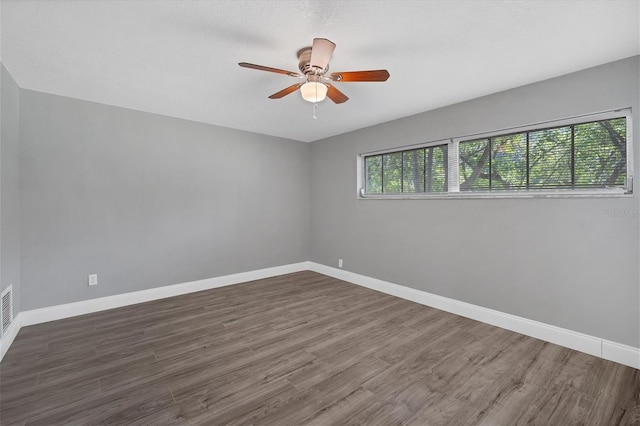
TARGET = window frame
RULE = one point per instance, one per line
(362, 166)
(454, 170)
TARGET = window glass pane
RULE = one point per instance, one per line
(437, 169)
(373, 174)
(474, 165)
(509, 162)
(392, 172)
(550, 158)
(572, 156)
(413, 173)
(601, 153)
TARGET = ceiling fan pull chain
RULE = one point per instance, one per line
(315, 104)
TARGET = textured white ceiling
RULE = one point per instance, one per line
(179, 58)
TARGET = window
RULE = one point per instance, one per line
(589, 154)
(411, 171)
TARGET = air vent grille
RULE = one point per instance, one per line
(7, 308)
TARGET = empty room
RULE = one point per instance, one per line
(319, 212)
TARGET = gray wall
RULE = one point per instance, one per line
(9, 195)
(145, 200)
(560, 261)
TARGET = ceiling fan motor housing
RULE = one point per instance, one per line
(304, 63)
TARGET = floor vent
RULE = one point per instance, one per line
(7, 308)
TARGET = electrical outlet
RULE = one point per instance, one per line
(93, 279)
(339, 263)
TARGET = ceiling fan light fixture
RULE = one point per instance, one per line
(313, 91)
(313, 63)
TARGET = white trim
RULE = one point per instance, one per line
(629, 182)
(591, 345)
(617, 352)
(418, 145)
(453, 183)
(52, 313)
(360, 178)
(10, 334)
(579, 119)
(532, 193)
(566, 121)
(623, 354)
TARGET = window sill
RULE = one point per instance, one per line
(600, 193)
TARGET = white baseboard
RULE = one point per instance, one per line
(52, 313)
(591, 345)
(612, 351)
(10, 334)
(623, 354)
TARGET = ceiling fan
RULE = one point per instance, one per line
(313, 63)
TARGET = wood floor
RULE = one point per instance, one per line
(301, 349)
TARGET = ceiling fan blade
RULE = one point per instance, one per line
(335, 95)
(321, 52)
(286, 91)
(263, 68)
(372, 75)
